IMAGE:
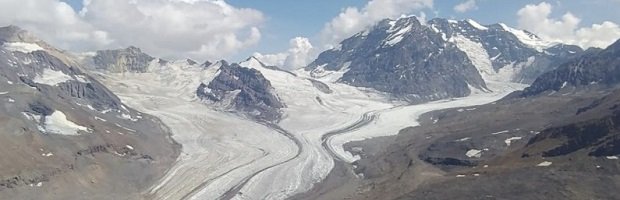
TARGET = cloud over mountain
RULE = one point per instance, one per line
(198, 28)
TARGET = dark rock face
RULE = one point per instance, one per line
(404, 58)
(577, 136)
(595, 67)
(594, 129)
(93, 92)
(131, 59)
(243, 89)
(448, 161)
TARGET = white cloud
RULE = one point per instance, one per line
(536, 18)
(203, 29)
(466, 6)
(53, 21)
(352, 20)
(300, 53)
(272, 59)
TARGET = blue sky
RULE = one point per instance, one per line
(285, 19)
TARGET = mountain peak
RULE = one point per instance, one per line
(14, 33)
(615, 45)
(252, 62)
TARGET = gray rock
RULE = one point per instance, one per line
(131, 59)
(243, 89)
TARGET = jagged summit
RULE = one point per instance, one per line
(255, 61)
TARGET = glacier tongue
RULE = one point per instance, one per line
(477, 54)
(220, 149)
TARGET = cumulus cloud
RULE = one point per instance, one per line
(300, 53)
(53, 21)
(466, 6)
(203, 29)
(536, 18)
(276, 59)
(352, 20)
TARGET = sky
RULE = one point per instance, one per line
(288, 33)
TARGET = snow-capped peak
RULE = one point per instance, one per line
(476, 25)
(252, 62)
(398, 29)
(528, 38)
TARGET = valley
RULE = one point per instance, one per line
(404, 108)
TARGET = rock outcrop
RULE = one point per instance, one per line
(242, 89)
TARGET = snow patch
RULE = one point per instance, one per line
(128, 117)
(52, 77)
(57, 123)
(474, 153)
(544, 164)
(22, 47)
(100, 119)
(509, 140)
(128, 129)
(500, 132)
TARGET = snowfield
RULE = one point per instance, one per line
(226, 156)
(22, 47)
(57, 123)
